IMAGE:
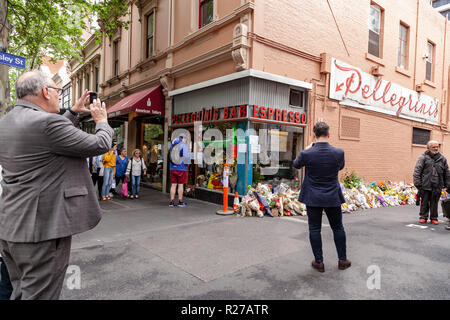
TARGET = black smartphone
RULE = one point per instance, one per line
(92, 97)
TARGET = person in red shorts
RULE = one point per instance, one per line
(179, 160)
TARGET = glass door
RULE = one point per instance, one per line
(152, 152)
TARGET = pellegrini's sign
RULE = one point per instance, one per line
(287, 116)
(355, 88)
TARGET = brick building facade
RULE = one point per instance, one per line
(190, 48)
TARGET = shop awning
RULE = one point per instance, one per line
(149, 101)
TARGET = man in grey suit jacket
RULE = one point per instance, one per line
(48, 194)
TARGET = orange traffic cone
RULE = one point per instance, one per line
(236, 201)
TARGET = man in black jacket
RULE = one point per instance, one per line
(431, 175)
(321, 192)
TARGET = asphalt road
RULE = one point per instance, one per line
(142, 249)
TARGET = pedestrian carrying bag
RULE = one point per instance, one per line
(124, 192)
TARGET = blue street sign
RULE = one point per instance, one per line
(12, 60)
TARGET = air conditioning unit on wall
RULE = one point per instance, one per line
(377, 71)
(419, 87)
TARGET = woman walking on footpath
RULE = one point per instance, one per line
(121, 166)
(136, 168)
(109, 163)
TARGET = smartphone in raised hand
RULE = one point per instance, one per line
(92, 97)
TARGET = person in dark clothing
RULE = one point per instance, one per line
(5, 283)
(321, 192)
(95, 168)
(431, 175)
(121, 167)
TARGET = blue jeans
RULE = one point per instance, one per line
(5, 284)
(107, 181)
(135, 182)
(334, 215)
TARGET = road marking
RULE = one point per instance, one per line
(412, 225)
(301, 221)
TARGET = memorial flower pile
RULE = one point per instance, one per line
(282, 200)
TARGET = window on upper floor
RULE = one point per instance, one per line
(88, 80)
(80, 81)
(402, 60)
(429, 57)
(375, 30)
(66, 97)
(96, 78)
(150, 19)
(206, 13)
(116, 57)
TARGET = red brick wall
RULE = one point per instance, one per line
(384, 150)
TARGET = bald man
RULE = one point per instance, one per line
(47, 194)
(431, 175)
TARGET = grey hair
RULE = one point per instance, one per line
(429, 143)
(31, 83)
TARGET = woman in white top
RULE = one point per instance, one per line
(135, 169)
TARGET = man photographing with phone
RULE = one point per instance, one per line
(48, 195)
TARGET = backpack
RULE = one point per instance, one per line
(170, 151)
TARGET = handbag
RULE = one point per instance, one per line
(124, 192)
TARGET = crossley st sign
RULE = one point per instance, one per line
(242, 112)
(354, 88)
(12, 60)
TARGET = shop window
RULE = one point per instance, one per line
(288, 147)
(350, 127)
(206, 13)
(375, 30)
(402, 60)
(150, 35)
(429, 61)
(296, 98)
(420, 136)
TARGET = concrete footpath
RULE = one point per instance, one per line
(142, 249)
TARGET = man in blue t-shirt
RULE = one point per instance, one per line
(178, 169)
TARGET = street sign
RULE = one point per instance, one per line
(12, 60)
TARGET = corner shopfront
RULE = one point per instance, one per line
(138, 123)
(247, 108)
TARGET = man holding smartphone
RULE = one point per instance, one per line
(47, 191)
(321, 192)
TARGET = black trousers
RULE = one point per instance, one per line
(94, 177)
(5, 283)
(334, 215)
(100, 185)
(429, 204)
